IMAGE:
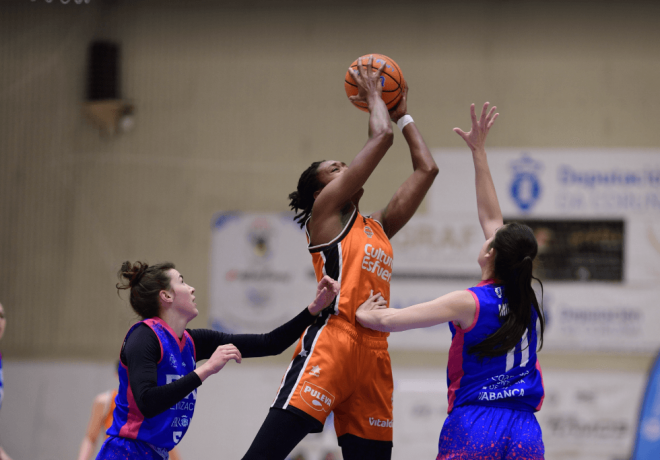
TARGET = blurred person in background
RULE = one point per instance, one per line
(494, 379)
(3, 324)
(158, 376)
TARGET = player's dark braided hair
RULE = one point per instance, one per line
(515, 249)
(145, 282)
(303, 198)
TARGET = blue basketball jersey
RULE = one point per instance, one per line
(512, 380)
(2, 388)
(166, 429)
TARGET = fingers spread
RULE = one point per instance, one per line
(490, 123)
(461, 133)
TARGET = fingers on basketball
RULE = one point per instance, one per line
(391, 80)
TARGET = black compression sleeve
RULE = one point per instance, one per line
(252, 345)
(141, 354)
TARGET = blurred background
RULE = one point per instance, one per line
(219, 106)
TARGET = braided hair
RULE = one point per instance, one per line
(145, 283)
(516, 248)
(303, 198)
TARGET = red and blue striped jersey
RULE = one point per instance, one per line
(513, 380)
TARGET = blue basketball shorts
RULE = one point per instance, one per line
(116, 448)
(490, 433)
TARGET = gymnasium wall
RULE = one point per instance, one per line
(233, 100)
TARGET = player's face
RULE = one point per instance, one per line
(3, 321)
(330, 170)
(184, 298)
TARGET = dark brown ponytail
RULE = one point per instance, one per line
(515, 249)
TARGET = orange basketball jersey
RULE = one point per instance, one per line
(107, 421)
(360, 259)
(340, 366)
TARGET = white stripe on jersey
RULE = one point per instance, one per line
(510, 359)
(302, 371)
(340, 261)
(524, 346)
(341, 272)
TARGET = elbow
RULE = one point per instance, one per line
(385, 136)
(145, 411)
(431, 171)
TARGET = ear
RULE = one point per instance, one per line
(491, 254)
(316, 193)
(165, 297)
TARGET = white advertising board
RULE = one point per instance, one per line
(261, 272)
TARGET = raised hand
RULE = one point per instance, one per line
(402, 107)
(476, 137)
(326, 291)
(367, 80)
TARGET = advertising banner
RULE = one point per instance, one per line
(596, 216)
(261, 272)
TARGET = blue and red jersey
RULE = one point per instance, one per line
(166, 429)
(2, 388)
(512, 380)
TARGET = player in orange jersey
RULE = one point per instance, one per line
(339, 365)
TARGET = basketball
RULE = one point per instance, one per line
(391, 80)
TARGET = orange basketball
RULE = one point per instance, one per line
(391, 80)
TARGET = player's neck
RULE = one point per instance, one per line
(177, 322)
(487, 273)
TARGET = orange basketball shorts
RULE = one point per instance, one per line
(336, 368)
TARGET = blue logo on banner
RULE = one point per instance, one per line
(525, 186)
(220, 219)
(647, 442)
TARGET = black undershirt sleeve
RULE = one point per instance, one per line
(141, 354)
(252, 345)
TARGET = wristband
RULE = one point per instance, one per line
(403, 121)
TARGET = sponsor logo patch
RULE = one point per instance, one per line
(380, 423)
(316, 397)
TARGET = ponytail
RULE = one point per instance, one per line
(515, 249)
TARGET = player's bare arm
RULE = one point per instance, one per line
(344, 182)
(410, 194)
(457, 306)
(490, 214)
